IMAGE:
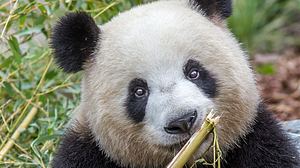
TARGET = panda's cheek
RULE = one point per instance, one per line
(155, 111)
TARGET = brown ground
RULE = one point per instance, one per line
(281, 91)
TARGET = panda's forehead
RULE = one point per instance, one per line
(162, 33)
(158, 37)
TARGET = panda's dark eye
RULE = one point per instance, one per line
(197, 74)
(136, 102)
(140, 92)
(194, 74)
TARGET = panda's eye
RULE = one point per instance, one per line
(140, 92)
(193, 74)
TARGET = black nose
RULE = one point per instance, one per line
(181, 125)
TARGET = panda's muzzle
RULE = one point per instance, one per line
(182, 124)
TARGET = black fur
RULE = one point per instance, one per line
(136, 106)
(267, 146)
(78, 149)
(206, 80)
(210, 7)
(74, 39)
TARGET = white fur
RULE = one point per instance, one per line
(153, 42)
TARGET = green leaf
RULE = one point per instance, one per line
(22, 20)
(42, 8)
(9, 90)
(266, 69)
(27, 31)
(15, 48)
(7, 62)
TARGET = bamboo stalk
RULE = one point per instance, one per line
(18, 131)
(9, 17)
(29, 102)
(106, 8)
(194, 142)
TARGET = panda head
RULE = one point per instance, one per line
(151, 75)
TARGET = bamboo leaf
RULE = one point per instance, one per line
(15, 48)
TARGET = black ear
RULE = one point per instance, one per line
(74, 39)
(222, 8)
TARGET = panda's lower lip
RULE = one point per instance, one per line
(178, 146)
(180, 143)
(183, 141)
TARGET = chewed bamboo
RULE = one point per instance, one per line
(194, 142)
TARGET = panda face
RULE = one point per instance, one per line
(156, 71)
(171, 100)
(156, 64)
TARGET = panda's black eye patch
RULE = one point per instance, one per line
(197, 74)
(137, 99)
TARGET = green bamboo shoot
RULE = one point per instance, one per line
(194, 142)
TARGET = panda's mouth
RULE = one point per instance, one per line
(182, 139)
(179, 144)
(174, 141)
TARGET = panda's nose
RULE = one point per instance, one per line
(182, 124)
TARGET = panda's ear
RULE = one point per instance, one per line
(74, 40)
(221, 8)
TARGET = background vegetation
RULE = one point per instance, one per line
(266, 26)
(31, 86)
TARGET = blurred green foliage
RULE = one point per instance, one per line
(266, 26)
(28, 77)
(266, 69)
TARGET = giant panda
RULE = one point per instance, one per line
(150, 76)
